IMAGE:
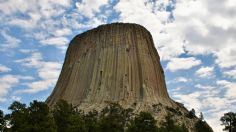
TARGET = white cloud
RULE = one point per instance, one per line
(38, 86)
(48, 72)
(190, 31)
(226, 57)
(179, 80)
(182, 79)
(56, 41)
(62, 32)
(26, 24)
(2, 99)
(214, 35)
(190, 100)
(204, 87)
(230, 73)
(4, 68)
(42, 22)
(29, 78)
(156, 20)
(176, 64)
(7, 82)
(88, 8)
(205, 72)
(32, 61)
(230, 88)
(26, 51)
(16, 98)
(10, 41)
(207, 101)
(45, 7)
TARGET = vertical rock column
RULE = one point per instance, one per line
(112, 63)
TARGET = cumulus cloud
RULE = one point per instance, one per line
(62, 32)
(216, 35)
(57, 41)
(9, 41)
(48, 72)
(230, 73)
(176, 64)
(230, 88)
(205, 72)
(4, 68)
(189, 31)
(88, 8)
(37, 19)
(206, 100)
(156, 19)
(179, 80)
(182, 79)
(16, 98)
(7, 82)
(204, 87)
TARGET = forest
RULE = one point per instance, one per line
(38, 117)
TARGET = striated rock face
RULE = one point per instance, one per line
(117, 63)
(112, 63)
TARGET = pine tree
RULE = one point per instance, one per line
(201, 116)
(2, 121)
(144, 122)
(67, 118)
(229, 121)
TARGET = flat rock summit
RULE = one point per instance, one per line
(116, 63)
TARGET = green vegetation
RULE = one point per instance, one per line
(229, 121)
(114, 118)
(37, 117)
(2, 121)
(202, 126)
(169, 126)
(191, 114)
(176, 111)
(67, 118)
(144, 122)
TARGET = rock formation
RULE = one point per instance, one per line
(114, 63)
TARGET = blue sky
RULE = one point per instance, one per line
(196, 40)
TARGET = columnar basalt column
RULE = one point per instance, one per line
(112, 63)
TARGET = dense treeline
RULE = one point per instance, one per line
(37, 117)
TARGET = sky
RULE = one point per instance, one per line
(196, 40)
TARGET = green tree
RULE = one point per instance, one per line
(144, 122)
(2, 121)
(201, 116)
(113, 118)
(19, 117)
(202, 126)
(67, 118)
(191, 114)
(39, 118)
(91, 121)
(229, 121)
(169, 126)
(35, 118)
